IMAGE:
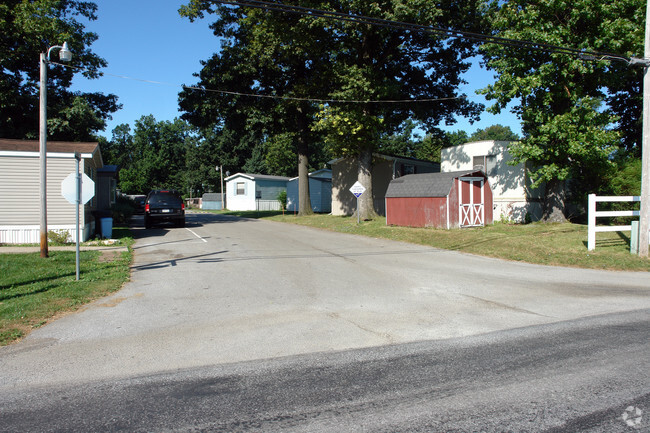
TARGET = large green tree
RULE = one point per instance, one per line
(154, 156)
(568, 106)
(377, 63)
(30, 27)
(272, 54)
(311, 57)
(494, 132)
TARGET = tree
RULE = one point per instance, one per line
(567, 129)
(373, 63)
(494, 132)
(458, 137)
(28, 28)
(266, 53)
(310, 57)
(156, 156)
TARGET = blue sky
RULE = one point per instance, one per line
(147, 40)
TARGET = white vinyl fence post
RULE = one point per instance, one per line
(591, 234)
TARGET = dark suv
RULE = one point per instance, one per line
(164, 205)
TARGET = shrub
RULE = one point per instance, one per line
(60, 237)
(123, 210)
(282, 198)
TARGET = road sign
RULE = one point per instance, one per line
(357, 189)
(69, 188)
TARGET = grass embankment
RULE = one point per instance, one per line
(546, 244)
(35, 290)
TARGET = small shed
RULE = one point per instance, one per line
(345, 172)
(442, 200)
(254, 191)
(320, 192)
(211, 201)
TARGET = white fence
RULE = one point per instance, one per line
(593, 214)
(264, 205)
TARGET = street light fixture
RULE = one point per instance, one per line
(65, 55)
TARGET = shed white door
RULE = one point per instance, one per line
(471, 201)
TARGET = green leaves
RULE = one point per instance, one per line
(28, 28)
(568, 106)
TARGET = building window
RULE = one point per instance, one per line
(241, 188)
(408, 169)
(486, 163)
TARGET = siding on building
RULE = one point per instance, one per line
(320, 192)
(20, 205)
(513, 196)
(384, 169)
(432, 199)
(260, 191)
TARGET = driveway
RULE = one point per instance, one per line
(225, 290)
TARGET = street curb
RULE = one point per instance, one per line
(27, 250)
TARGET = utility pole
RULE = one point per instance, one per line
(644, 224)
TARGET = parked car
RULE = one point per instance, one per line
(164, 206)
(139, 201)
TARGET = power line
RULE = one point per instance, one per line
(455, 34)
(258, 95)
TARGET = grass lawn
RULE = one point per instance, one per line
(546, 244)
(34, 290)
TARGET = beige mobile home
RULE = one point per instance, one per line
(20, 188)
(384, 169)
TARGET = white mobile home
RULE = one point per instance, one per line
(512, 195)
(20, 189)
(254, 191)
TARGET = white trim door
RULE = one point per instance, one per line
(471, 199)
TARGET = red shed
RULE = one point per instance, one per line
(443, 200)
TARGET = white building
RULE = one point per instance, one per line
(254, 191)
(512, 195)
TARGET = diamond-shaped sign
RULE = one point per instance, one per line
(69, 188)
(357, 189)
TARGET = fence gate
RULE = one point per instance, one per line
(471, 201)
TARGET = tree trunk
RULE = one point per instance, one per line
(554, 202)
(364, 176)
(304, 199)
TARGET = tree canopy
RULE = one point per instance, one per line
(315, 59)
(157, 155)
(28, 28)
(569, 107)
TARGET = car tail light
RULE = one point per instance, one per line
(182, 206)
(146, 207)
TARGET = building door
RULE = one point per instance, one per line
(471, 200)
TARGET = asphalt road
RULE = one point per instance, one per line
(578, 376)
(246, 325)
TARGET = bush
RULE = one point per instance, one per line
(282, 198)
(59, 237)
(123, 210)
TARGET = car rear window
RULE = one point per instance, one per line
(163, 198)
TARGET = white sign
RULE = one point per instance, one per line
(69, 188)
(357, 189)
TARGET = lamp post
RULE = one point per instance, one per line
(219, 168)
(65, 55)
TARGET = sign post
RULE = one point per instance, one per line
(78, 189)
(357, 189)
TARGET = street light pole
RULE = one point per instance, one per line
(644, 214)
(65, 55)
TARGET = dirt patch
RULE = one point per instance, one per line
(109, 255)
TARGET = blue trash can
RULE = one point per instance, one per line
(107, 227)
